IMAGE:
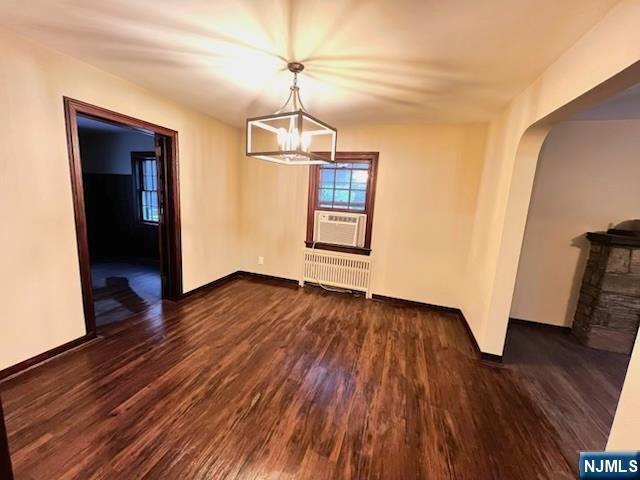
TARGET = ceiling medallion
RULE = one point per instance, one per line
(291, 136)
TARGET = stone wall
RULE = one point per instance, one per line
(608, 311)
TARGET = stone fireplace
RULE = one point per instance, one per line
(608, 311)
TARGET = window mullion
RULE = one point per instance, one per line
(350, 185)
(318, 188)
(333, 193)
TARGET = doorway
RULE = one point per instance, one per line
(125, 193)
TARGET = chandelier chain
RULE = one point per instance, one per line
(294, 97)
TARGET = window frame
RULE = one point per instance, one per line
(314, 173)
(136, 165)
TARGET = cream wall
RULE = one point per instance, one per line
(425, 201)
(41, 305)
(586, 180)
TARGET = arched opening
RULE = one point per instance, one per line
(577, 384)
(519, 198)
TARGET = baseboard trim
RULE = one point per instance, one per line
(25, 365)
(401, 302)
(486, 357)
(208, 286)
(470, 334)
(532, 323)
(268, 278)
(491, 357)
(239, 274)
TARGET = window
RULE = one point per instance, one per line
(145, 169)
(345, 186)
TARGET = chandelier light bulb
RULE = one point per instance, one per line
(305, 141)
(283, 138)
(294, 138)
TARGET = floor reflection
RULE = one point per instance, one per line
(121, 289)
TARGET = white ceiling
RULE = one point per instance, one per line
(375, 60)
(623, 106)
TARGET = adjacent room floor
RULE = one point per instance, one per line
(122, 288)
(258, 380)
(576, 387)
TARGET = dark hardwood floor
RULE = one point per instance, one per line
(122, 288)
(255, 380)
(576, 387)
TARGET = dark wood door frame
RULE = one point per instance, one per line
(5, 457)
(169, 227)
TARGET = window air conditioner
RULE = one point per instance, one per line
(340, 228)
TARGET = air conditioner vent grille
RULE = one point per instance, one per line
(343, 219)
(346, 229)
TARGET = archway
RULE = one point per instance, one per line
(519, 197)
(516, 213)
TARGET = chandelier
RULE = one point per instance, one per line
(291, 136)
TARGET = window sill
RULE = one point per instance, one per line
(339, 248)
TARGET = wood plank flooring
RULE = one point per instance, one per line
(576, 387)
(121, 289)
(254, 380)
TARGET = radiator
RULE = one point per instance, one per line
(337, 270)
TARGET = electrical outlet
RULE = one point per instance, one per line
(260, 260)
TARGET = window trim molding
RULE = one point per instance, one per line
(344, 157)
(137, 157)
